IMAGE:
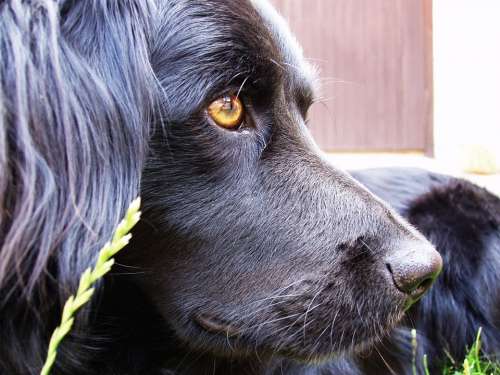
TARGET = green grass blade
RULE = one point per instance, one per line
(121, 238)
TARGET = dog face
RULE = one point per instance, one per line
(251, 241)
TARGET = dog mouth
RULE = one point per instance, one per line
(214, 325)
(235, 338)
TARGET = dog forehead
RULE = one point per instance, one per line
(303, 73)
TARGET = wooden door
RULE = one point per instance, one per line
(375, 58)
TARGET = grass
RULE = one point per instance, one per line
(90, 276)
(474, 363)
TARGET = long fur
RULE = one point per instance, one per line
(74, 122)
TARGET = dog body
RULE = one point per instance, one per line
(254, 253)
(463, 222)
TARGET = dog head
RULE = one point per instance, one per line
(251, 240)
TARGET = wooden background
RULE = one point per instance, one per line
(375, 58)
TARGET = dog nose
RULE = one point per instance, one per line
(414, 268)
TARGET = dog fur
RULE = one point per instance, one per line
(463, 222)
(254, 255)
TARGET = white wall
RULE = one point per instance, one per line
(466, 77)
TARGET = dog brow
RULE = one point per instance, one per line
(302, 73)
(304, 86)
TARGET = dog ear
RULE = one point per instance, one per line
(76, 93)
(114, 38)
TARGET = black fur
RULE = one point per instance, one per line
(463, 222)
(254, 255)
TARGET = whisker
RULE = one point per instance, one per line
(331, 328)
(309, 309)
(385, 362)
(258, 326)
(241, 87)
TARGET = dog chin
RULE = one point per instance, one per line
(223, 339)
(315, 356)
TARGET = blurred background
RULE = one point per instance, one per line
(405, 82)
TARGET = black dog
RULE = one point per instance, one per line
(254, 254)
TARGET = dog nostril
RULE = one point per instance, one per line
(414, 285)
(414, 273)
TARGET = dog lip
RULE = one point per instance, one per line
(212, 324)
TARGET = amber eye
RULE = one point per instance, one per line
(227, 112)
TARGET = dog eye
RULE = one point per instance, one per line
(227, 112)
